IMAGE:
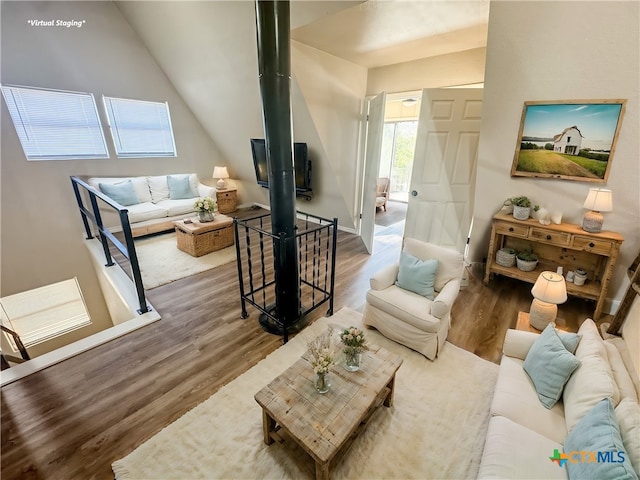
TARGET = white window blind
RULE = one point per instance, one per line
(44, 313)
(140, 128)
(54, 124)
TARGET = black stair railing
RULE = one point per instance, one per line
(316, 240)
(92, 217)
(24, 355)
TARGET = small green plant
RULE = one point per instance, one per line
(527, 256)
(521, 201)
(536, 208)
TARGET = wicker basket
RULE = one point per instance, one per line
(226, 201)
(207, 242)
(526, 266)
(506, 257)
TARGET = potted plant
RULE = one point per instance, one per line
(205, 208)
(526, 260)
(521, 207)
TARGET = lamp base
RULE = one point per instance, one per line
(221, 184)
(592, 222)
(542, 314)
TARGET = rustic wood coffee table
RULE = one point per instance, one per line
(325, 425)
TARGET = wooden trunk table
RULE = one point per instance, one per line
(198, 238)
(325, 425)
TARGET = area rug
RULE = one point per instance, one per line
(161, 262)
(435, 429)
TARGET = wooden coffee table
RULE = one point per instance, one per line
(325, 425)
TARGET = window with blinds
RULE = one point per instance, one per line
(55, 124)
(44, 313)
(140, 128)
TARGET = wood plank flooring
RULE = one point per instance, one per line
(72, 420)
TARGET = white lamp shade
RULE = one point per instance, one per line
(550, 288)
(599, 200)
(220, 172)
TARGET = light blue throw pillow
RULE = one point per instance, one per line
(549, 365)
(570, 340)
(122, 192)
(180, 187)
(598, 434)
(417, 275)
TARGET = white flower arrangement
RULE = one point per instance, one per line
(322, 352)
(206, 204)
(353, 339)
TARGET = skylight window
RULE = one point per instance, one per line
(55, 124)
(140, 128)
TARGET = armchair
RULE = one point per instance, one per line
(382, 192)
(411, 318)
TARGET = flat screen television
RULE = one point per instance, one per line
(301, 163)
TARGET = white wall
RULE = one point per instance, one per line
(534, 53)
(332, 92)
(460, 68)
(42, 234)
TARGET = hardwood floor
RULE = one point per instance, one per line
(72, 420)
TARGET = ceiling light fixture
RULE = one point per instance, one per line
(409, 102)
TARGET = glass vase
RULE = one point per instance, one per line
(352, 359)
(205, 217)
(322, 382)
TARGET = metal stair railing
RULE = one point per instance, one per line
(24, 355)
(316, 241)
(106, 237)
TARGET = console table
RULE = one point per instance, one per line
(565, 245)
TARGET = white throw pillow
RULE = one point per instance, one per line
(159, 188)
(628, 417)
(592, 380)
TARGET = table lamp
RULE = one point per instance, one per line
(220, 173)
(598, 200)
(548, 291)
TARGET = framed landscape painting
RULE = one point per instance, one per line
(568, 139)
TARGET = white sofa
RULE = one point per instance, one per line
(523, 434)
(157, 204)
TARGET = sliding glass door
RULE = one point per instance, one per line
(396, 161)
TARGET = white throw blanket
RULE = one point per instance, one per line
(435, 430)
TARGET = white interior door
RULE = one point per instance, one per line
(373, 147)
(442, 183)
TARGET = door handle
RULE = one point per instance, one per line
(414, 193)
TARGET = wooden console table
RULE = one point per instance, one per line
(565, 245)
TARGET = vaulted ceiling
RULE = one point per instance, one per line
(378, 33)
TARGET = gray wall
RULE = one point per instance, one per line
(42, 233)
(534, 53)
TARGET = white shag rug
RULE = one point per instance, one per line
(161, 262)
(435, 429)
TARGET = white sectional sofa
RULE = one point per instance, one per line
(153, 202)
(524, 435)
